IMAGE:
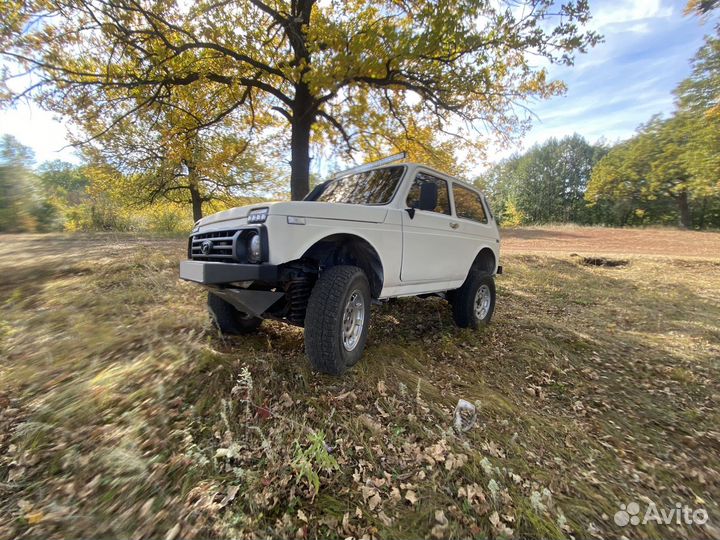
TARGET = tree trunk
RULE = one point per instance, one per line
(195, 195)
(301, 126)
(702, 213)
(684, 208)
(196, 203)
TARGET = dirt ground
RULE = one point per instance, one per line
(609, 241)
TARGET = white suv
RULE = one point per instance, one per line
(371, 233)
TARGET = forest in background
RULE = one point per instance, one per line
(668, 173)
(157, 162)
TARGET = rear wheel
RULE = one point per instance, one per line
(337, 319)
(230, 320)
(473, 304)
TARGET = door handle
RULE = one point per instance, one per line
(454, 225)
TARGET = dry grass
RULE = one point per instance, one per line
(597, 384)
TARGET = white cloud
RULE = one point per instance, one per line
(628, 11)
(39, 130)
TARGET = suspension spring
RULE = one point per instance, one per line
(298, 293)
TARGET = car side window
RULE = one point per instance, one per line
(413, 198)
(468, 204)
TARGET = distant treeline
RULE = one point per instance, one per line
(668, 173)
(59, 196)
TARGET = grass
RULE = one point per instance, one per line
(123, 413)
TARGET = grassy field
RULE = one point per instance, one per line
(124, 414)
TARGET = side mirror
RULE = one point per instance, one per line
(428, 196)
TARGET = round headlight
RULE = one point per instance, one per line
(254, 248)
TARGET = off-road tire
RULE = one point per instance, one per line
(463, 300)
(324, 319)
(230, 320)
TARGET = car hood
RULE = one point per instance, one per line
(308, 209)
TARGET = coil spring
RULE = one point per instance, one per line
(298, 294)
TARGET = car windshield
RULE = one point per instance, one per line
(376, 186)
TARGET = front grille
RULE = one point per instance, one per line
(228, 245)
(220, 246)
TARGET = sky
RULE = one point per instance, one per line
(623, 81)
(612, 89)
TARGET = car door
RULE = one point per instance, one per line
(430, 243)
(475, 227)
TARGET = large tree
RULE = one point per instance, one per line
(173, 154)
(675, 159)
(618, 181)
(698, 100)
(655, 165)
(454, 66)
(700, 92)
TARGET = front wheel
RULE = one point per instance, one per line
(473, 304)
(337, 319)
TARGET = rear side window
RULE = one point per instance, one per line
(468, 204)
(443, 204)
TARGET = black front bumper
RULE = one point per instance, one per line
(215, 273)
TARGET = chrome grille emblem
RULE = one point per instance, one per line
(206, 247)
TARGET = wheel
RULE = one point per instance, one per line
(228, 319)
(473, 303)
(337, 319)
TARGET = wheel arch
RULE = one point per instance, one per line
(345, 248)
(485, 260)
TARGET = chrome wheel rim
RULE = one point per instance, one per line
(482, 302)
(353, 320)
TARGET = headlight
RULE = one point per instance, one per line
(259, 215)
(254, 248)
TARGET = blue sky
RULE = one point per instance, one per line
(611, 90)
(626, 79)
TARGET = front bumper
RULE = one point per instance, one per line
(216, 273)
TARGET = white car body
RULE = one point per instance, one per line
(429, 252)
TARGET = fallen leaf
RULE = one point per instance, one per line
(264, 413)
(172, 533)
(410, 496)
(369, 423)
(34, 518)
(387, 521)
(286, 401)
(439, 531)
(145, 509)
(230, 496)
